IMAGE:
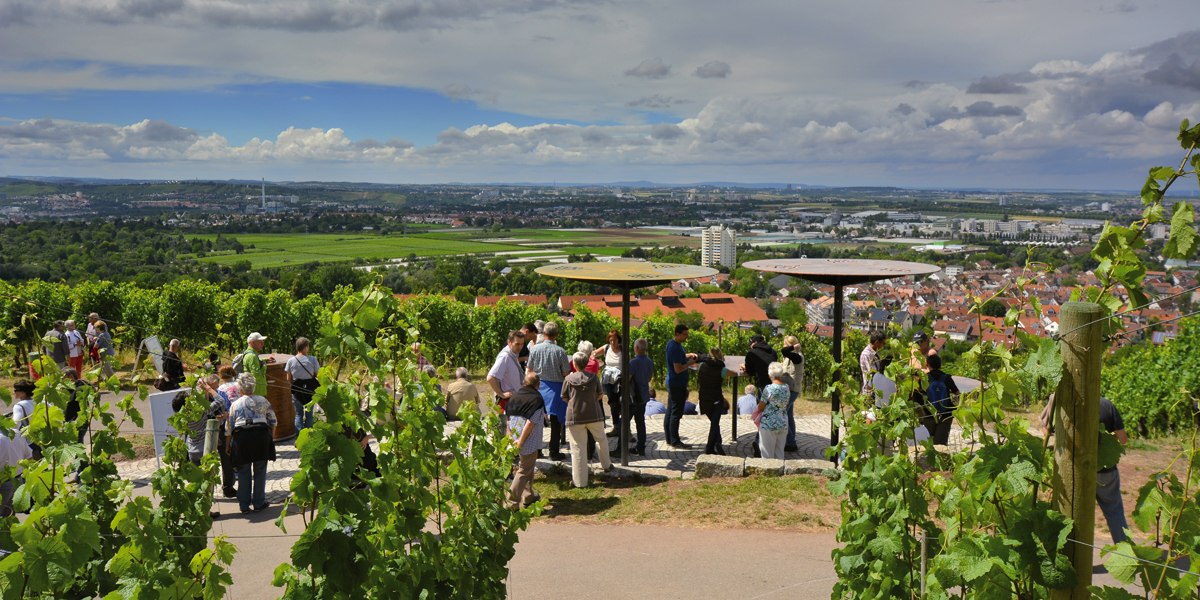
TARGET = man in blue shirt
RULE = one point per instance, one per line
(678, 362)
(552, 366)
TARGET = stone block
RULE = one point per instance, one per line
(808, 466)
(766, 467)
(715, 465)
(655, 474)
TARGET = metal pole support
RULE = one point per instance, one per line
(626, 380)
(837, 371)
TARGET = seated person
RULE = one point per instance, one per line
(654, 407)
(884, 386)
(748, 402)
(689, 408)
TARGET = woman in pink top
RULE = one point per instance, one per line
(593, 365)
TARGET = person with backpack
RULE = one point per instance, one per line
(250, 362)
(942, 395)
(22, 409)
(23, 402)
(302, 370)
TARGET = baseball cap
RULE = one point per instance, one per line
(255, 337)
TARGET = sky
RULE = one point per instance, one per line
(1064, 94)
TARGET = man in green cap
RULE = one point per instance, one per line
(252, 364)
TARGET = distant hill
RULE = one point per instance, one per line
(35, 180)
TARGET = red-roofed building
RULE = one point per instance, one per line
(1004, 337)
(566, 304)
(821, 331)
(956, 330)
(713, 307)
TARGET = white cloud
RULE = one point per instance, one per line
(159, 141)
(809, 92)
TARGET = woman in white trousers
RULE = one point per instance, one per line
(581, 391)
(772, 427)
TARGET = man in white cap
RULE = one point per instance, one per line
(252, 364)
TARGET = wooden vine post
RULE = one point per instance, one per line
(1077, 438)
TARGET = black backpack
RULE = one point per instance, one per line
(939, 394)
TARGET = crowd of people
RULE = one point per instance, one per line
(935, 396)
(69, 346)
(575, 389)
(236, 399)
(934, 392)
(535, 383)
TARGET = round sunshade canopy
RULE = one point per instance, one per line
(841, 271)
(641, 273)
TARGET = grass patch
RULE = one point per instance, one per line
(594, 250)
(143, 447)
(287, 249)
(795, 503)
(284, 249)
(592, 237)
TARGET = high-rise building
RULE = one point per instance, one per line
(717, 247)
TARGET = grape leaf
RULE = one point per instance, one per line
(1182, 242)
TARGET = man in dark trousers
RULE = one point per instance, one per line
(678, 363)
(1108, 480)
(942, 394)
(760, 356)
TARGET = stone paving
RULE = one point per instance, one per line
(812, 437)
(660, 460)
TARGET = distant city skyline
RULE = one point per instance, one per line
(1077, 94)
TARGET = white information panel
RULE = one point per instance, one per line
(153, 347)
(160, 411)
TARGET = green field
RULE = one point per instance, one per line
(286, 249)
(587, 237)
(272, 250)
(27, 189)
